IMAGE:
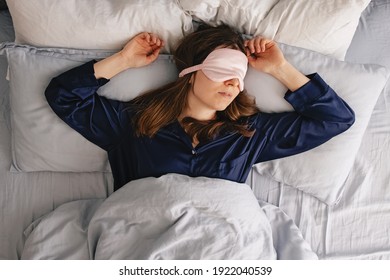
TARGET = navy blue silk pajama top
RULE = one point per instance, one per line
(319, 115)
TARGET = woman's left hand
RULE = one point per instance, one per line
(264, 54)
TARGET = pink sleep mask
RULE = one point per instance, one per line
(222, 65)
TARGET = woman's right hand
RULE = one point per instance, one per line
(142, 49)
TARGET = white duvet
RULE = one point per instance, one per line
(171, 217)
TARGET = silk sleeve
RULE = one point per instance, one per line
(73, 97)
(320, 114)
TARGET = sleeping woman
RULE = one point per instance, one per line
(204, 123)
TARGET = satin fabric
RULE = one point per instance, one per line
(222, 65)
(320, 115)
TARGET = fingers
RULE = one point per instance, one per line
(154, 54)
(151, 39)
(257, 45)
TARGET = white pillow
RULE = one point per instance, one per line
(91, 24)
(248, 14)
(205, 10)
(41, 141)
(325, 26)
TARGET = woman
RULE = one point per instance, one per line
(203, 124)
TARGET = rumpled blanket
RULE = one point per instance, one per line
(170, 217)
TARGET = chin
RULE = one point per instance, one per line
(222, 108)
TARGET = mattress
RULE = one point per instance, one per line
(358, 227)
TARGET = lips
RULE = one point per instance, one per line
(225, 94)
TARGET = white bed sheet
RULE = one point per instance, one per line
(359, 226)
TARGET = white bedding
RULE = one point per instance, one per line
(357, 228)
(171, 217)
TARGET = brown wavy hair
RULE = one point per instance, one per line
(160, 107)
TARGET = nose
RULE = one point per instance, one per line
(232, 82)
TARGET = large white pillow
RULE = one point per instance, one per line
(91, 24)
(325, 26)
(41, 141)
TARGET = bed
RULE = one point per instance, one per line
(329, 203)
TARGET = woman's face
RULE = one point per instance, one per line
(206, 94)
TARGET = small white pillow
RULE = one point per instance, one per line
(102, 24)
(41, 141)
(325, 26)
